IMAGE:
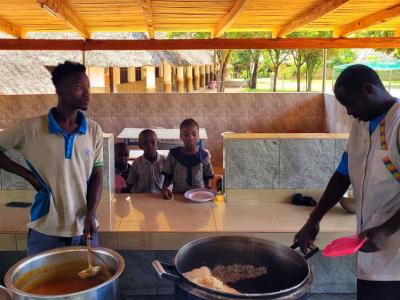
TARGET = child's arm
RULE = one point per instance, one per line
(132, 178)
(208, 172)
(167, 171)
(165, 191)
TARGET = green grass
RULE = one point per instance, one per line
(290, 85)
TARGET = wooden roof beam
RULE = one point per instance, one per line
(146, 5)
(11, 29)
(230, 17)
(363, 23)
(59, 9)
(200, 44)
(309, 16)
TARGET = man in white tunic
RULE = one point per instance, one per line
(371, 164)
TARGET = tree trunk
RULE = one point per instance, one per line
(221, 86)
(309, 81)
(253, 83)
(298, 77)
(276, 70)
(306, 80)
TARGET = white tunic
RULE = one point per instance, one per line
(377, 191)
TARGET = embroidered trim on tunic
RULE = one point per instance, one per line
(383, 135)
(386, 160)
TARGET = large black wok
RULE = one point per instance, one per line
(288, 271)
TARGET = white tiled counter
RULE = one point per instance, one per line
(147, 222)
(145, 227)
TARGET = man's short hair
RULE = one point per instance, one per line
(189, 122)
(353, 78)
(145, 132)
(120, 145)
(65, 70)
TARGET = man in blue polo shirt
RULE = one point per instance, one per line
(64, 153)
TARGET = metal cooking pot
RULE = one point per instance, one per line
(288, 276)
(5, 294)
(101, 256)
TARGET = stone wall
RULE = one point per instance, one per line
(238, 112)
(337, 120)
(282, 162)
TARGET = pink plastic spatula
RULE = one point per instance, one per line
(344, 246)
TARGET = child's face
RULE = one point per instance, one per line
(121, 157)
(149, 144)
(190, 135)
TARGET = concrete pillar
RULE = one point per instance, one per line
(116, 78)
(180, 79)
(196, 77)
(212, 73)
(207, 74)
(143, 73)
(96, 76)
(150, 79)
(216, 71)
(131, 74)
(84, 58)
(202, 76)
(189, 79)
(167, 78)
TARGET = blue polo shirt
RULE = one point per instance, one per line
(343, 167)
(62, 163)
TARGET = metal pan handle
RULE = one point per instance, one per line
(162, 273)
(313, 249)
(7, 291)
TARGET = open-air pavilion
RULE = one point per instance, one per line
(341, 17)
(266, 146)
(23, 21)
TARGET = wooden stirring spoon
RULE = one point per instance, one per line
(91, 270)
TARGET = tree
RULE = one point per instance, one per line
(338, 57)
(249, 60)
(278, 56)
(313, 59)
(298, 57)
(256, 55)
(241, 64)
(299, 60)
(255, 66)
(379, 33)
(221, 57)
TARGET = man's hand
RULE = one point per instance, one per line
(376, 238)
(166, 193)
(306, 236)
(90, 226)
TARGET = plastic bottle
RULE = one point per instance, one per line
(219, 197)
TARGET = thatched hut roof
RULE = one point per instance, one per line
(24, 72)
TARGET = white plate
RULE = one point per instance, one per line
(200, 195)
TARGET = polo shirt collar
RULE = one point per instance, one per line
(54, 128)
(156, 161)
